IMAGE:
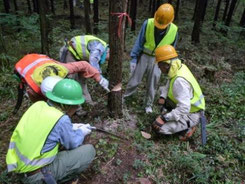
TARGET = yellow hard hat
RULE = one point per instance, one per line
(164, 16)
(165, 53)
(48, 69)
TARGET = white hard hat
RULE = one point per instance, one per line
(48, 83)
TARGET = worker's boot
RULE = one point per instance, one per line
(188, 133)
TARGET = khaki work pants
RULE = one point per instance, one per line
(146, 65)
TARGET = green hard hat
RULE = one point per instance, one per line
(67, 91)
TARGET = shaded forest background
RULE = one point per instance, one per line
(211, 42)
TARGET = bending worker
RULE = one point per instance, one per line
(34, 146)
(87, 48)
(182, 96)
(33, 68)
(154, 32)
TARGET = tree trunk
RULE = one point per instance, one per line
(35, 6)
(177, 10)
(43, 27)
(116, 54)
(204, 10)
(153, 8)
(170, 1)
(15, 6)
(52, 7)
(29, 6)
(65, 6)
(231, 10)
(227, 2)
(158, 4)
(6, 5)
(96, 15)
(216, 13)
(150, 3)
(133, 12)
(197, 24)
(72, 17)
(242, 21)
(86, 17)
(195, 10)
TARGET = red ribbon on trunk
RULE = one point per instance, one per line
(120, 16)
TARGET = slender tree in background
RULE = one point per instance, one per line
(170, 1)
(195, 36)
(29, 6)
(150, 3)
(35, 6)
(133, 12)
(154, 7)
(52, 7)
(96, 15)
(15, 6)
(176, 13)
(231, 10)
(216, 13)
(6, 5)
(72, 17)
(195, 9)
(116, 55)
(43, 27)
(204, 10)
(65, 6)
(227, 2)
(242, 21)
(158, 4)
(87, 17)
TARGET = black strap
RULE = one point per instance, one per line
(20, 97)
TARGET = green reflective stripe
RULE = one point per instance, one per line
(83, 46)
(11, 167)
(35, 162)
(28, 67)
(199, 102)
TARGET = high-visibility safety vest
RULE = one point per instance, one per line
(78, 46)
(197, 101)
(27, 65)
(168, 39)
(24, 153)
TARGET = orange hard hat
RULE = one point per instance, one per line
(165, 53)
(164, 16)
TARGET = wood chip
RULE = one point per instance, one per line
(145, 135)
(117, 87)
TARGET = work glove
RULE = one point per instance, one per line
(158, 123)
(104, 83)
(133, 64)
(85, 128)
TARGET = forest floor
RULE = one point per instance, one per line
(218, 63)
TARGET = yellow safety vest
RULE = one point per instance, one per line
(24, 153)
(168, 39)
(78, 46)
(197, 102)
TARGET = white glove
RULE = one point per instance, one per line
(85, 128)
(133, 64)
(104, 83)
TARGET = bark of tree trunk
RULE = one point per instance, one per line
(43, 27)
(52, 7)
(35, 6)
(227, 2)
(204, 9)
(6, 5)
(86, 17)
(177, 10)
(216, 13)
(195, 36)
(231, 10)
(133, 12)
(29, 6)
(72, 17)
(116, 53)
(242, 21)
(96, 15)
(195, 10)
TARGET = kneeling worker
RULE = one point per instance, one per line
(34, 146)
(183, 91)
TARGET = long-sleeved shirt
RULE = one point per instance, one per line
(96, 49)
(183, 93)
(64, 134)
(140, 41)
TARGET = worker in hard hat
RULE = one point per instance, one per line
(32, 69)
(33, 151)
(182, 96)
(154, 32)
(87, 48)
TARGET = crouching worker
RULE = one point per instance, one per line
(182, 92)
(34, 146)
